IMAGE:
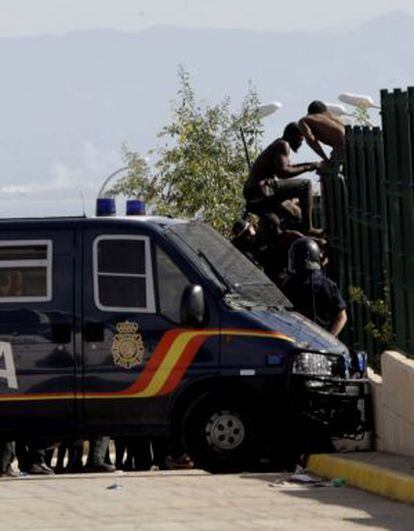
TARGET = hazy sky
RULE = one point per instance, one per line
(28, 17)
(72, 165)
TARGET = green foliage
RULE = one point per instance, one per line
(200, 166)
(380, 311)
(138, 180)
(361, 116)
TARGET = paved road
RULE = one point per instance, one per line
(194, 500)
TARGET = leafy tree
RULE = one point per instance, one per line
(200, 165)
(138, 181)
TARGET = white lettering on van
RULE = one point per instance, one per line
(9, 372)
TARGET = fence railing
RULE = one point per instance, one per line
(369, 214)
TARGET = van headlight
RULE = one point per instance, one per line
(316, 364)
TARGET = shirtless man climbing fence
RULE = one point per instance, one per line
(320, 126)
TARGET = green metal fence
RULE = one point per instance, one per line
(369, 214)
(355, 219)
(367, 256)
(398, 127)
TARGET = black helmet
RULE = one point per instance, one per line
(304, 255)
(240, 227)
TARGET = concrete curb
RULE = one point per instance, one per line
(372, 478)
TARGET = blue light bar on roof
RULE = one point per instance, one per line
(135, 207)
(105, 206)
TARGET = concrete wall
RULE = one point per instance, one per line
(393, 397)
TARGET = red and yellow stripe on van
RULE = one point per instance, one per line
(164, 370)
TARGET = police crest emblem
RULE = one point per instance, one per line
(128, 348)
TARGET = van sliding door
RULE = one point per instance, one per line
(37, 331)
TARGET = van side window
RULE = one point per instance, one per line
(171, 285)
(25, 271)
(123, 274)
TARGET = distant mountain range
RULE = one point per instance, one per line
(68, 102)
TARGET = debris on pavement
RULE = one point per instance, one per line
(338, 482)
(304, 478)
(115, 486)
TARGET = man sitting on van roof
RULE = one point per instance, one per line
(318, 126)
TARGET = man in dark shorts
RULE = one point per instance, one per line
(270, 181)
(311, 292)
(318, 126)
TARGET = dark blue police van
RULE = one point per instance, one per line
(151, 326)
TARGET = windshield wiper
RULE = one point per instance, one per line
(218, 275)
(243, 284)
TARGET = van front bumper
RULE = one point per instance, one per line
(341, 405)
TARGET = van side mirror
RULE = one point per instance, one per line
(193, 306)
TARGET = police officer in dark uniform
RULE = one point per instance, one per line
(98, 448)
(7, 454)
(249, 241)
(312, 293)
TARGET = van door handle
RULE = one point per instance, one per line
(61, 333)
(93, 332)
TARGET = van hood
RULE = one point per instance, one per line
(305, 333)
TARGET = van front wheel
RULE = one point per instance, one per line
(220, 435)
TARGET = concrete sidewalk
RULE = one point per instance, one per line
(378, 472)
(192, 501)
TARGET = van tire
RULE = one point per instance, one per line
(220, 434)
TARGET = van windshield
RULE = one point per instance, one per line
(227, 266)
